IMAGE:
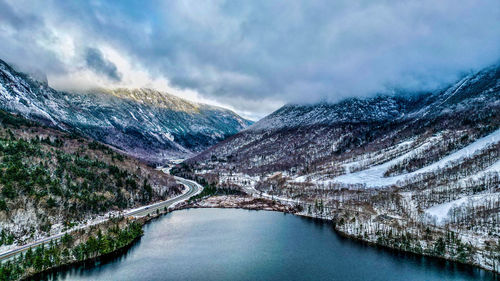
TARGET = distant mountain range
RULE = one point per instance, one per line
(145, 123)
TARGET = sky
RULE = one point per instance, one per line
(252, 56)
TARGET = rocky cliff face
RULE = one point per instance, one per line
(145, 123)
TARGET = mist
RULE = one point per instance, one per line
(253, 56)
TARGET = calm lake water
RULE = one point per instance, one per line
(233, 244)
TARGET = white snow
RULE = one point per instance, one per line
(441, 211)
(4, 93)
(374, 176)
(133, 116)
(367, 159)
(495, 168)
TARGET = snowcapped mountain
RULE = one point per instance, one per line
(302, 136)
(350, 110)
(419, 173)
(472, 91)
(145, 123)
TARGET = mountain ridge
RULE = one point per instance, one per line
(148, 124)
(391, 107)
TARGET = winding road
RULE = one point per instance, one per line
(193, 189)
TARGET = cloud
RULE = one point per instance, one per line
(96, 61)
(11, 17)
(257, 55)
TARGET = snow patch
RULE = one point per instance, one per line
(374, 176)
(441, 212)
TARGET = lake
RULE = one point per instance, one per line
(235, 244)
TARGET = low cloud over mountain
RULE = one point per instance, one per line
(267, 52)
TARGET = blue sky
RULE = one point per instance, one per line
(252, 56)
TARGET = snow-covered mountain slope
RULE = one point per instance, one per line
(471, 91)
(415, 172)
(374, 175)
(145, 123)
(379, 109)
(304, 137)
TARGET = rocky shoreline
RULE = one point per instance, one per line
(239, 202)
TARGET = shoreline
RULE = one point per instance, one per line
(265, 205)
(88, 262)
(275, 208)
(93, 260)
(39, 275)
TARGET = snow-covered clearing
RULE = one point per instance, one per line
(369, 158)
(374, 176)
(442, 211)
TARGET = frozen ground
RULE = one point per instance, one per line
(441, 212)
(374, 176)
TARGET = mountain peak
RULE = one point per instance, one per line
(146, 123)
(472, 90)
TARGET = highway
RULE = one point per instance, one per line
(193, 189)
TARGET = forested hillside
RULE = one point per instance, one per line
(51, 181)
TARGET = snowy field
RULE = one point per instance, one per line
(441, 212)
(374, 176)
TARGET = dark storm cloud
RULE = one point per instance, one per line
(95, 61)
(242, 52)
